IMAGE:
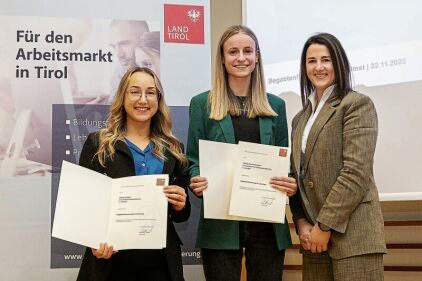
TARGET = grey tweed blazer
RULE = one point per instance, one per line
(338, 187)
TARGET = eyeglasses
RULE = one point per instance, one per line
(136, 94)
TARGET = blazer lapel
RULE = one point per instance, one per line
(297, 138)
(122, 146)
(227, 127)
(324, 115)
(265, 129)
(168, 164)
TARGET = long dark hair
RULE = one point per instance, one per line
(343, 78)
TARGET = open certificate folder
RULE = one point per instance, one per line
(127, 213)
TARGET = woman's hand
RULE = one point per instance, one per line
(304, 229)
(284, 184)
(198, 184)
(176, 196)
(319, 239)
(104, 252)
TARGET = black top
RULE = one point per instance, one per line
(245, 129)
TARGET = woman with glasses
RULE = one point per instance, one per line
(238, 109)
(138, 141)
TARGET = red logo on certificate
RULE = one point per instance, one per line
(282, 152)
(184, 24)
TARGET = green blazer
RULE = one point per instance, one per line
(224, 234)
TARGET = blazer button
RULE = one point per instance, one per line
(310, 184)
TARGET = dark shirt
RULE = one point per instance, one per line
(246, 129)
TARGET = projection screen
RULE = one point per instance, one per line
(384, 45)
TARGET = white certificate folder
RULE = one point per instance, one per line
(127, 213)
(252, 196)
(238, 181)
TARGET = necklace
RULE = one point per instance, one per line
(242, 101)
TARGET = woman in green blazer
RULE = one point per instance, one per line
(238, 109)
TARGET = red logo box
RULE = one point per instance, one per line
(282, 152)
(183, 24)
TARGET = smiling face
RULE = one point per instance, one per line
(240, 56)
(319, 67)
(141, 98)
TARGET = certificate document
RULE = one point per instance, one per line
(252, 196)
(127, 213)
(217, 162)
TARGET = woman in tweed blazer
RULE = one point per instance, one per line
(336, 211)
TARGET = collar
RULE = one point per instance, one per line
(327, 93)
(133, 146)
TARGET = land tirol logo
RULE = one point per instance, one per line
(183, 24)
